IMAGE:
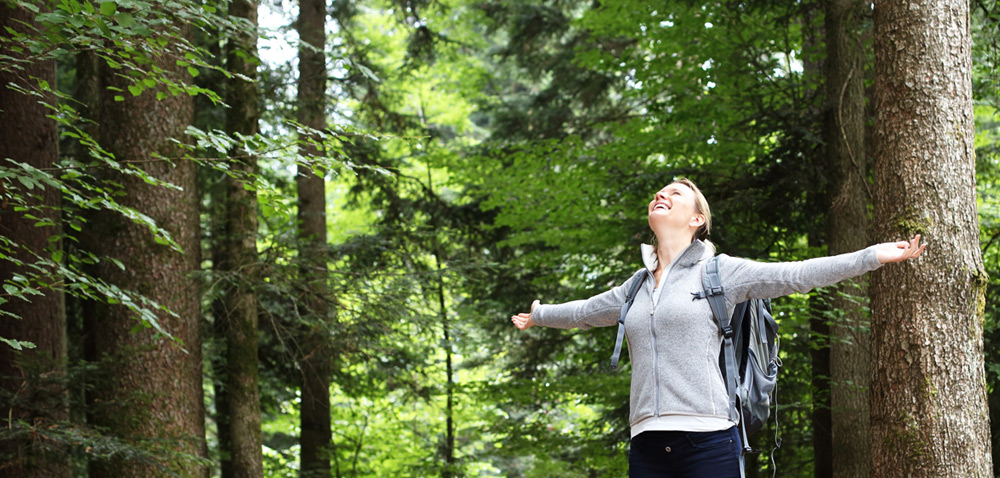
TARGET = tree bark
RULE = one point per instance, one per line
(850, 340)
(34, 378)
(155, 389)
(819, 354)
(239, 256)
(928, 398)
(316, 438)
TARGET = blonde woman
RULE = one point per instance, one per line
(679, 406)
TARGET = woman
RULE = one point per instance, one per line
(679, 407)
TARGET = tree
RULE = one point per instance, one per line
(30, 228)
(847, 230)
(155, 389)
(314, 355)
(928, 398)
(238, 253)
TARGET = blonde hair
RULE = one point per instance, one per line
(701, 207)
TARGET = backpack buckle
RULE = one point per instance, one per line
(727, 331)
(709, 292)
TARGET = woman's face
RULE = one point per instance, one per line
(673, 206)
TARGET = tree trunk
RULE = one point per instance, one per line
(928, 397)
(315, 353)
(155, 389)
(448, 448)
(239, 256)
(39, 397)
(850, 341)
(219, 326)
(820, 357)
(812, 69)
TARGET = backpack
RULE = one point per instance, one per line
(748, 358)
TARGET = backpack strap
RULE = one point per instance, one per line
(629, 298)
(716, 296)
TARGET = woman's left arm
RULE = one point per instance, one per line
(744, 279)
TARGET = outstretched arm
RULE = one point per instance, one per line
(745, 279)
(601, 310)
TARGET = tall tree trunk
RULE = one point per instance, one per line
(812, 68)
(155, 389)
(847, 216)
(316, 438)
(819, 327)
(239, 256)
(219, 326)
(449, 435)
(928, 397)
(39, 397)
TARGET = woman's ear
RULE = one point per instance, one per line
(698, 220)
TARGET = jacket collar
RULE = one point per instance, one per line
(691, 255)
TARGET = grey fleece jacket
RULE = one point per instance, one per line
(674, 347)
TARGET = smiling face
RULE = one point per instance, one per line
(679, 207)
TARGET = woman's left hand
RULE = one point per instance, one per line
(899, 251)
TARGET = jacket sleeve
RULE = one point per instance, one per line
(601, 310)
(745, 279)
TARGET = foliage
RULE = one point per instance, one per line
(57, 437)
(481, 155)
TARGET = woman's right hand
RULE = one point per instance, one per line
(522, 320)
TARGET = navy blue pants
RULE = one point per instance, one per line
(660, 454)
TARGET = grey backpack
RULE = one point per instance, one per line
(749, 356)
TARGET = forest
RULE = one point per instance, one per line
(285, 239)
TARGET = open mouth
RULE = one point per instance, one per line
(661, 205)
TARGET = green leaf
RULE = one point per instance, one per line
(136, 89)
(193, 71)
(108, 8)
(27, 182)
(11, 289)
(104, 28)
(17, 344)
(125, 19)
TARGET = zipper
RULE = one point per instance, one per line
(656, 361)
(652, 329)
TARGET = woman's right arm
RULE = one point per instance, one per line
(601, 310)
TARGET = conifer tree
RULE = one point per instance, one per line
(929, 414)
